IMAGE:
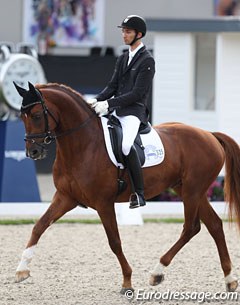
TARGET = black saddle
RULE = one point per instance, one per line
(115, 131)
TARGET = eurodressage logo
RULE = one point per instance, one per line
(151, 152)
(17, 155)
(197, 296)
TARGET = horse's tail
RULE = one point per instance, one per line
(232, 174)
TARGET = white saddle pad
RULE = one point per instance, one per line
(154, 150)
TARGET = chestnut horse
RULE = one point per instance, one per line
(83, 174)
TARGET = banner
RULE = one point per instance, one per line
(68, 23)
(18, 180)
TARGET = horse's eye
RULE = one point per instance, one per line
(36, 116)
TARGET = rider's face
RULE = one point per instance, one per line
(128, 35)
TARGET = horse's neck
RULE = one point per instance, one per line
(78, 131)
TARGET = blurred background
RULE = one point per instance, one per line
(196, 45)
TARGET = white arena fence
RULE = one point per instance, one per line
(125, 216)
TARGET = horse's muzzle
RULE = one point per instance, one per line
(36, 152)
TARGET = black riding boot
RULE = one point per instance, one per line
(135, 172)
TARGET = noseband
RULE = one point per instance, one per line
(48, 135)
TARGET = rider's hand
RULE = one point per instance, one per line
(91, 101)
(101, 108)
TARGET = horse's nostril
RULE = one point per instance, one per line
(34, 152)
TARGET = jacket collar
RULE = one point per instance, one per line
(136, 56)
(134, 52)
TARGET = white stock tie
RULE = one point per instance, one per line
(130, 57)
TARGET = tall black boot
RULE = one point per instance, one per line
(135, 172)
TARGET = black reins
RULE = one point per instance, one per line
(48, 135)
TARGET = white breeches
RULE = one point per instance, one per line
(130, 125)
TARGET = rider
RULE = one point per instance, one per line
(126, 97)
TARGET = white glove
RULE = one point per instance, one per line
(91, 101)
(101, 108)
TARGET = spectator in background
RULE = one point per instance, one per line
(228, 8)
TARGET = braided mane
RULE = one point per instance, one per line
(76, 95)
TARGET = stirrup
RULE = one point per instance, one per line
(136, 201)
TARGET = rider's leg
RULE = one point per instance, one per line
(130, 126)
(134, 168)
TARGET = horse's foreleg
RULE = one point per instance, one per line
(191, 227)
(108, 217)
(215, 228)
(59, 206)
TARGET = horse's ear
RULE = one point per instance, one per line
(20, 90)
(31, 87)
(35, 91)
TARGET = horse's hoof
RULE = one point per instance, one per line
(156, 279)
(127, 292)
(21, 276)
(231, 287)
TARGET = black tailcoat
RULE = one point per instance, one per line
(130, 85)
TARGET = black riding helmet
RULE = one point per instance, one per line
(134, 22)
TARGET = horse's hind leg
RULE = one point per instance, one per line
(191, 227)
(108, 217)
(215, 228)
(59, 206)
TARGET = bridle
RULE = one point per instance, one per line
(49, 135)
